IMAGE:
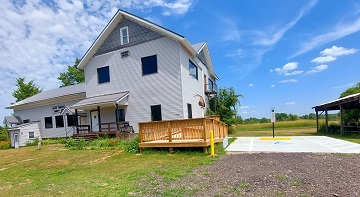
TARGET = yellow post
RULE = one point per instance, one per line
(212, 147)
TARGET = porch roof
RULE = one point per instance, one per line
(101, 100)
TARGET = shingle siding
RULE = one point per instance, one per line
(137, 35)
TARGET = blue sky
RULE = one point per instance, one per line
(291, 55)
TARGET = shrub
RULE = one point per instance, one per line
(332, 128)
(4, 145)
(131, 146)
(32, 142)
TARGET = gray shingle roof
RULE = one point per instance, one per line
(12, 120)
(101, 99)
(198, 46)
(50, 94)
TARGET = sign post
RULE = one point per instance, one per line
(273, 120)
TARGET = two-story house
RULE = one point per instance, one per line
(135, 71)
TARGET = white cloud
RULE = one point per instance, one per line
(265, 39)
(251, 85)
(239, 53)
(317, 69)
(330, 54)
(335, 51)
(339, 31)
(324, 59)
(272, 86)
(290, 103)
(38, 40)
(244, 112)
(244, 107)
(288, 81)
(285, 70)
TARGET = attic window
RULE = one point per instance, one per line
(124, 35)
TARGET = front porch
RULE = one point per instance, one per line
(193, 132)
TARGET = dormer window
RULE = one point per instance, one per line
(124, 35)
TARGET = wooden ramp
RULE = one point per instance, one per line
(181, 133)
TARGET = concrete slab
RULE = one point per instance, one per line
(315, 144)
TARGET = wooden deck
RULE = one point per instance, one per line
(181, 133)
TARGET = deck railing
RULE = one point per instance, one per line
(184, 129)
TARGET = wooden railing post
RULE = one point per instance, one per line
(169, 130)
(205, 129)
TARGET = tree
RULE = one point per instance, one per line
(73, 75)
(224, 104)
(25, 90)
(351, 116)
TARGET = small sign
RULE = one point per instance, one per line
(273, 114)
(125, 54)
(225, 142)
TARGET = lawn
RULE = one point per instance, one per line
(56, 171)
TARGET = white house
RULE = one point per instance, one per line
(135, 71)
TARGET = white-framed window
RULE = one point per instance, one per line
(124, 35)
(31, 135)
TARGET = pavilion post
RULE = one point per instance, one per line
(341, 119)
(76, 121)
(317, 120)
(326, 121)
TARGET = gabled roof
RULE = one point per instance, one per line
(120, 14)
(104, 99)
(51, 94)
(349, 102)
(198, 46)
(12, 120)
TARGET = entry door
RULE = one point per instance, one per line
(94, 121)
(16, 140)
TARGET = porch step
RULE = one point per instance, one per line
(86, 137)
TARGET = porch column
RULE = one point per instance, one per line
(76, 121)
(326, 121)
(317, 120)
(117, 117)
(341, 120)
(99, 119)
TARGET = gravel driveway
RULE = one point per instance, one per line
(275, 174)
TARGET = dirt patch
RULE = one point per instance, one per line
(274, 174)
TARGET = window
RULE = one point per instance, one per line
(103, 74)
(124, 35)
(193, 70)
(210, 85)
(156, 113)
(59, 121)
(26, 121)
(48, 122)
(149, 65)
(31, 135)
(120, 115)
(70, 120)
(189, 110)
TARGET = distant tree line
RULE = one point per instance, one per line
(287, 117)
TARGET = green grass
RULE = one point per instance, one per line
(57, 171)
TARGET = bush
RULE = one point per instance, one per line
(4, 145)
(332, 128)
(32, 142)
(130, 146)
(4, 136)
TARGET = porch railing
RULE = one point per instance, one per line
(83, 129)
(112, 127)
(185, 129)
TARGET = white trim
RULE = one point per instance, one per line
(122, 36)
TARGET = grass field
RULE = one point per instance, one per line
(56, 171)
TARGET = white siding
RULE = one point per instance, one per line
(192, 87)
(162, 88)
(23, 133)
(39, 113)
